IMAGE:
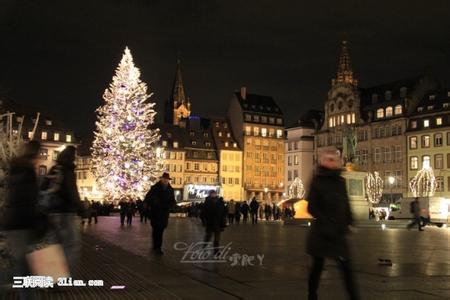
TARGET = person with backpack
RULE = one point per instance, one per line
(61, 185)
(414, 208)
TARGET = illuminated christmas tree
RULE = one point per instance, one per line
(374, 187)
(126, 159)
(424, 183)
(296, 189)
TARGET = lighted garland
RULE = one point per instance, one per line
(296, 189)
(126, 160)
(424, 183)
(374, 187)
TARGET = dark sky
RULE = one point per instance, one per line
(62, 54)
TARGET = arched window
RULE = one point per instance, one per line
(403, 91)
(380, 113)
(398, 110)
(388, 95)
(374, 98)
(389, 111)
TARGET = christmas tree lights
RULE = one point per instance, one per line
(126, 159)
(424, 183)
(374, 187)
(296, 189)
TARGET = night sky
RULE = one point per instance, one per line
(62, 54)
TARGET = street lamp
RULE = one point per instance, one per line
(265, 192)
(391, 180)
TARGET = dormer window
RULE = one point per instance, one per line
(220, 133)
(226, 144)
(398, 110)
(234, 145)
(389, 111)
(279, 121)
(228, 134)
(426, 123)
(19, 119)
(56, 136)
(192, 133)
(175, 144)
(48, 122)
(439, 121)
(413, 124)
(43, 135)
(68, 138)
(380, 113)
(388, 95)
(430, 107)
(420, 108)
(374, 98)
(208, 144)
(446, 105)
(164, 143)
(403, 91)
(256, 118)
(194, 143)
(205, 134)
(432, 97)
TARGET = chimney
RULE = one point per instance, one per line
(244, 92)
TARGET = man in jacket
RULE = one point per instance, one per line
(160, 199)
(330, 207)
(244, 209)
(254, 206)
(214, 214)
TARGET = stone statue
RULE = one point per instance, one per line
(349, 145)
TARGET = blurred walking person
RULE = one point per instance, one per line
(231, 211)
(131, 208)
(62, 215)
(254, 208)
(237, 215)
(160, 199)
(21, 222)
(245, 209)
(214, 214)
(329, 205)
(415, 210)
(123, 208)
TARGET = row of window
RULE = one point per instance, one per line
(264, 157)
(264, 132)
(341, 120)
(56, 136)
(386, 131)
(387, 154)
(81, 175)
(173, 168)
(205, 167)
(265, 143)
(426, 123)
(292, 175)
(431, 107)
(293, 159)
(426, 141)
(231, 156)
(266, 171)
(174, 144)
(231, 180)
(438, 161)
(226, 168)
(196, 154)
(389, 111)
(397, 182)
(263, 119)
(201, 179)
(173, 155)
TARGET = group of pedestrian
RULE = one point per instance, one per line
(41, 212)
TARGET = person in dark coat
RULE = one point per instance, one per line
(20, 220)
(237, 216)
(123, 208)
(254, 207)
(245, 209)
(63, 215)
(415, 210)
(160, 199)
(330, 207)
(131, 208)
(267, 211)
(214, 214)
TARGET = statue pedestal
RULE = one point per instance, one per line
(356, 193)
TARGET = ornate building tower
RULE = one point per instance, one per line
(179, 106)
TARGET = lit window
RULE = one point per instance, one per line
(413, 142)
(175, 144)
(353, 118)
(264, 132)
(164, 143)
(414, 163)
(42, 170)
(420, 108)
(425, 161)
(220, 133)
(256, 131)
(248, 117)
(279, 133)
(432, 97)
(226, 144)
(279, 121)
(389, 111)
(56, 136)
(349, 118)
(68, 138)
(248, 130)
(398, 110)
(445, 105)
(426, 123)
(48, 122)
(413, 124)
(234, 145)
(426, 141)
(30, 135)
(380, 113)
(330, 122)
(439, 121)
(256, 118)
(430, 107)
(342, 119)
(44, 135)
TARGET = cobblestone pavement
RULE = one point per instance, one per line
(420, 261)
